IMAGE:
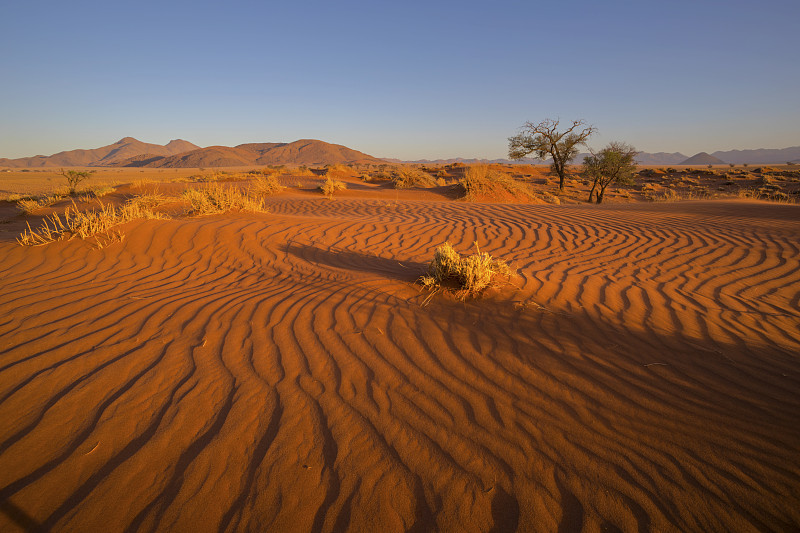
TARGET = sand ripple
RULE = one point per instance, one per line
(279, 372)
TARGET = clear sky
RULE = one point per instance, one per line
(406, 79)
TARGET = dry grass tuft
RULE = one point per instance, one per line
(468, 275)
(407, 177)
(94, 223)
(30, 204)
(266, 185)
(215, 198)
(330, 186)
(339, 171)
(481, 182)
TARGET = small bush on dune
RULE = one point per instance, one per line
(469, 275)
(330, 186)
(481, 182)
(218, 199)
(407, 177)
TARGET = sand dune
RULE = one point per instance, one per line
(279, 372)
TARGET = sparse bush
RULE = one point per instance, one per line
(467, 275)
(481, 182)
(330, 186)
(407, 177)
(218, 199)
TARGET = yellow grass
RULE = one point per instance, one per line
(85, 224)
(216, 198)
(469, 274)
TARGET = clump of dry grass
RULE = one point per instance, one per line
(215, 198)
(96, 223)
(338, 171)
(481, 182)
(468, 275)
(407, 177)
(266, 185)
(30, 204)
(330, 186)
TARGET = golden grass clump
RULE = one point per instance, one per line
(30, 204)
(407, 177)
(481, 182)
(468, 275)
(330, 186)
(215, 198)
(338, 171)
(85, 224)
(266, 185)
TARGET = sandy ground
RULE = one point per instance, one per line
(279, 372)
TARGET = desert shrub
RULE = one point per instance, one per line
(94, 223)
(481, 182)
(468, 275)
(407, 177)
(266, 185)
(330, 186)
(218, 199)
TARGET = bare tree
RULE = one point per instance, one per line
(544, 140)
(613, 164)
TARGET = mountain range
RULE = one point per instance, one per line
(760, 156)
(130, 152)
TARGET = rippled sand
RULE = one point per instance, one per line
(279, 372)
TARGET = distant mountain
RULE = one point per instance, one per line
(302, 152)
(660, 158)
(110, 155)
(644, 158)
(760, 156)
(702, 159)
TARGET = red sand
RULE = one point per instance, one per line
(278, 372)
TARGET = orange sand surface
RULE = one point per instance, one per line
(283, 372)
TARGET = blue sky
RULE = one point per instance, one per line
(398, 79)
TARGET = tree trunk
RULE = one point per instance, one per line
(591, 193)
(600, 194)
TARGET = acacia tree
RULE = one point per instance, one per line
(613, 164)
(74, 177)
(544, 140)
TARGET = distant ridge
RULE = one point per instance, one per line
(702, 159)
(302, 152)
(123, 149)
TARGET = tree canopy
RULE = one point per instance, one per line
(613, 164)
(544, 140)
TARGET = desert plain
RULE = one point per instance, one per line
(283, 369)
